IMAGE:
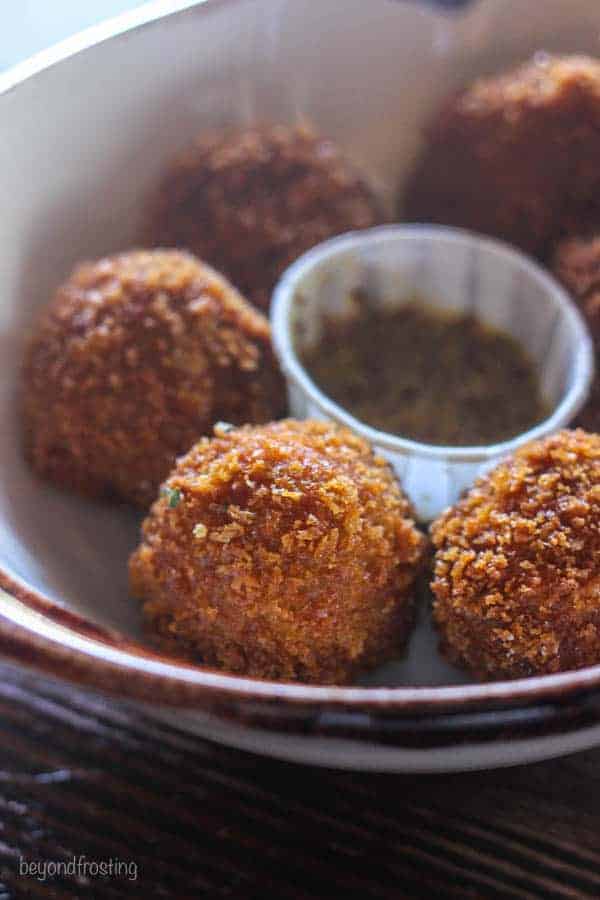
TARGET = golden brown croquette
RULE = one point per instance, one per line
(589, 417)
(516, 155)
(281, 551)
(576, 262)
(517, 563)
(251, 201)
(136, 357)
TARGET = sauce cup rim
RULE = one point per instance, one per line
(284, 297)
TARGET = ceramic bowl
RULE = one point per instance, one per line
(450, 270)
(86, 129)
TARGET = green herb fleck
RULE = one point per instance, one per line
(200, 531)
(173, 495)
(221, 428)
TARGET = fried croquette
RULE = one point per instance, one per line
(517, 563)
(251, 201)
(282, 551)
(516, 155)
(136, 357)
(589, 417)
(576, 262)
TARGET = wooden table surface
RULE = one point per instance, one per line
(81, 776)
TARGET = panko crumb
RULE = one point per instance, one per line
(517, 563)
(306, 562)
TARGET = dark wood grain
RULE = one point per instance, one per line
(80, 775)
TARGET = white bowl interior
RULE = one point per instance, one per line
(84, 140)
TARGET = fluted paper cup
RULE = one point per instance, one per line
(450, 269)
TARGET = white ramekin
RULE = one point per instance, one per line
(451, 269)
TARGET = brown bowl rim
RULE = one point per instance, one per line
(38, 632)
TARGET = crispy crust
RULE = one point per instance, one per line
(251, 201)
(515, 155)
(135, 358)
(290, 555)
(517, 563)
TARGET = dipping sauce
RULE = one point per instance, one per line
(436, 377)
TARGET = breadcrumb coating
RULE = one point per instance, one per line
(251, 201)
(517, 563)
(136, 357)
(289, 554)
(515, 155)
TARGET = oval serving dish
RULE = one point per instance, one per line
(87, 126)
